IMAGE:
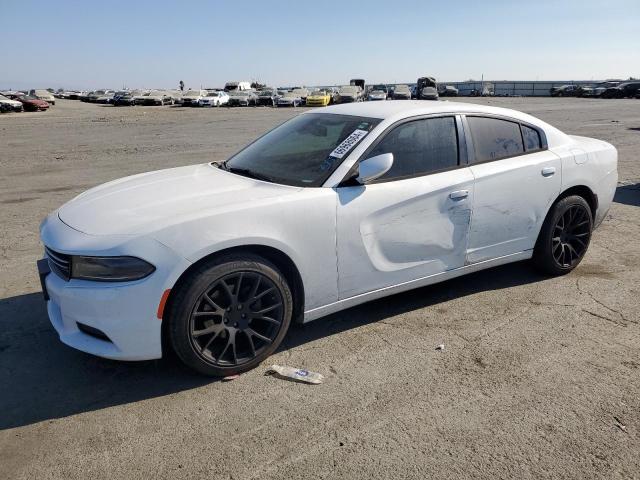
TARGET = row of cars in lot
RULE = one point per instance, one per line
(34, 101)
(608, 89)
(247, 94)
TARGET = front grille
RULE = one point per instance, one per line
(60, 263)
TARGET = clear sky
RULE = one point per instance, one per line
(146, 44)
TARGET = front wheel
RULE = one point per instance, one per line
(564, 237)
(230, 315)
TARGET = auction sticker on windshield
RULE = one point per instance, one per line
(348, 143)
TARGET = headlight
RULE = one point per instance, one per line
(110, 269)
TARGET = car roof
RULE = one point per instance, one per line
(411, 108)
(391, 111)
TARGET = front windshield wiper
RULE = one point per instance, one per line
(245, 172)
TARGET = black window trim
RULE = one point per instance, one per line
(463, 150)
(471, 152)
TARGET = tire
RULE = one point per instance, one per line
(565, 235)
(214, 326)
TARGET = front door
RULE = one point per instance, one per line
(412, 222)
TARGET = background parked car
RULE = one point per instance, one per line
(106, 98)
(624, 90)
(234, 86)
(599, 88)
(191, 98)
(564, 91)
(350, 93)
(93, 96)
(125, 98)
(10, 105)
(302, 92)
(242, 98)
(290, 99)
(447, 91)
(427, 88)
(585, 91)
(214, 98)
(268, 96)
(319, 98)
(154, 97)
(29, 103)
(45, 95)
(401, 92)
(378, 92)
(72, 94)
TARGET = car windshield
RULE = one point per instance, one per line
(379, 88)
(303, 151)
(401, 88)
(267, 93)
(192, 93)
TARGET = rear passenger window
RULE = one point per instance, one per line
(494, 139)
(531, 138)
(420, 147)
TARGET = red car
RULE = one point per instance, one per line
(30, 104)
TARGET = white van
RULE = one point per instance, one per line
(237, 86)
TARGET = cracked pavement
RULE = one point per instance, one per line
(537, 379)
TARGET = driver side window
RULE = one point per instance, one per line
(420, 147)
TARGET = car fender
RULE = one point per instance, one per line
(276, 224)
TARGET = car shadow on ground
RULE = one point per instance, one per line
(628, 195)
(43, 379)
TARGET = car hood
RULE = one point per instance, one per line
(151, 201)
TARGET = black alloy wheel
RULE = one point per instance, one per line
(571, 236)
(229, 314)
(236, 319)
(564, 237)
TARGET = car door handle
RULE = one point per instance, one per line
(459, 194)
(548, 171)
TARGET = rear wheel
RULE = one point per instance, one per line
(230, 315)
(565, 236)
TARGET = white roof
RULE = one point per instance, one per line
(394, 110)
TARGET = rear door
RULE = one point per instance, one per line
(516, 180)
(412, 222)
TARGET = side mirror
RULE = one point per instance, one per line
(374, 167)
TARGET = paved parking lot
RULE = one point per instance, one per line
(540, 377)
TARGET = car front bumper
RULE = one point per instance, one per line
(126, 312)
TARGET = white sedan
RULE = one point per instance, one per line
(214, 98)
(337, 206)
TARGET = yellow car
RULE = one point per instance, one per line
(318, 98)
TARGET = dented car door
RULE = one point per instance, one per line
(411, 223)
